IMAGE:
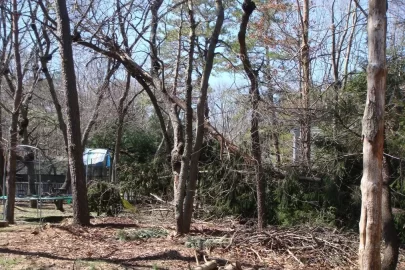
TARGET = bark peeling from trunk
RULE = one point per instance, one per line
(373, 139)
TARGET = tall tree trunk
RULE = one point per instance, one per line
(248, 7)
(389, 232)
(75, 149)
(29, 155)
(156, 67)
(121, 116)
(201, 105)
(3, 31)
(373, 138)
(2, 152)
(335, 68)
(273, 116)
(305, 121)
(176, 157)
(12, 162)
(188, 143)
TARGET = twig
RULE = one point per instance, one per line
(257, 254)
(157, 197)
(292, 255)
(231, 241)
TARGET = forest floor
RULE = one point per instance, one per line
(145, 239)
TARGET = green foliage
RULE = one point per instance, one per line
(137, 234)
(332, 201)
(143, 179)
(137, 145)
(128, 206)
(104, 197)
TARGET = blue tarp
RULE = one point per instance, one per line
(97, 157)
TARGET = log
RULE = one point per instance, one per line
(211, 265)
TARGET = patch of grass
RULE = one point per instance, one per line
(136, 234)
(9, 262)
(89, 265)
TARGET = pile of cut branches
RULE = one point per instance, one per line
(307, 246)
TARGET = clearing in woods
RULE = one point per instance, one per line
(145, 239)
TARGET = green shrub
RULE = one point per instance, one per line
(104, 197)
(136, 234)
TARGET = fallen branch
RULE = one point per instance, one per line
(157, 198)
(231, 241)
(257, 254)
(292, 255)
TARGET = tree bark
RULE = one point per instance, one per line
(373, 138)
(248, 7)
(176, 156)
(3, 31)
(29, 156)
(274, 122)
(188, 142)
(201, 105)
(12, 162)
(305, 120)
(75, 148)
(121, 116)
(389, 233)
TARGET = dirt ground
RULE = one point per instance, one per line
(145, 239)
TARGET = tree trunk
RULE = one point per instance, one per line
(305, 120)
(188, 143)
(373, 138)
(176, 157)
(2, 58)
(29, 155)
(274, 122)
(118, 137)
(248, 7)
(389, 232)
(75, 149)
(12, 162)
(335, 67)
(201, 105)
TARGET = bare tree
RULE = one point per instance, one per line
(305, 119)
(188, 142)
(248, 7)
(373, 138)
(12, 161)
(4, 69)
(122, 109)
(201, 109)
(75, 148)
